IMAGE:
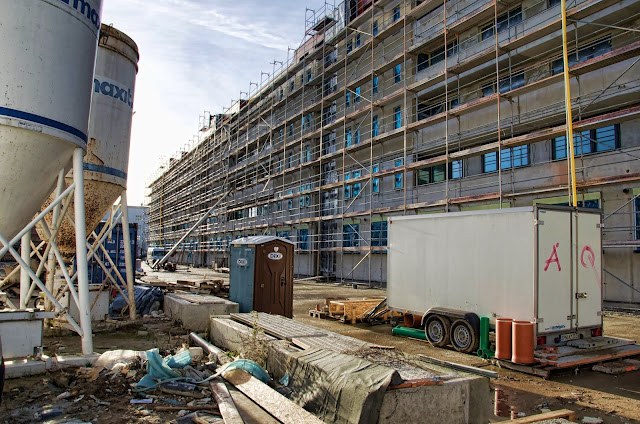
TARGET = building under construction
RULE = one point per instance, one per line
(411, 107)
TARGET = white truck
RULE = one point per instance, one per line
(537, 264)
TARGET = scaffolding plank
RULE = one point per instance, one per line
(279, 326)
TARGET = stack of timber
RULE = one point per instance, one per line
(353, 310)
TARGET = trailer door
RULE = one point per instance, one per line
(588, 295)
(554, 286)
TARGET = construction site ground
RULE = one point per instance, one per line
(612, 398)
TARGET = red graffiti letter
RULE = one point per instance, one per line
(553, 258)
(591, 257)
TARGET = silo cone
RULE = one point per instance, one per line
(107, 158)
(48, 58)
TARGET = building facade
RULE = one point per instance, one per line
(408, 107)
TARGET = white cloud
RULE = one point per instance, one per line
(195, 55)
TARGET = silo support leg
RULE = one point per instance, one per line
(25, 279)
(128, 256)
(81, 253)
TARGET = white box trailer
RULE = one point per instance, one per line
(537, 264)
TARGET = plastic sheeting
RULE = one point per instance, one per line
(338, 388)
(145, 298)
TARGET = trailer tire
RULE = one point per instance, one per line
(463, 337)
(436, 329)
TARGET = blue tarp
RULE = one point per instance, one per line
(145, 298)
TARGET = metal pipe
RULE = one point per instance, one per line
(25, 281)
(51, 256)
(46, 292)
(81, 253)
(35, 220)
(567, 102)
(127, 254)
(220, 355)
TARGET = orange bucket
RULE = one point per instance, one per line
(503, 338)
(523, 344)
(412, 321)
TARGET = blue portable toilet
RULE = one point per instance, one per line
(261, 274)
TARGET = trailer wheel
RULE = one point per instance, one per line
(463, 338)
(437, 330)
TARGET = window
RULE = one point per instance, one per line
(347, 137)
(376, 181)
(290, 160)
(357, 40)
(375, 85)
(396, 13)
(307, 200)
(598, 140)
(303, 239)
(301, 80)
(281, 135)
(429, 59)
(505, 21)
(374, 125)
(350, 235)
(349, 47)
(356, 137)
(347, 188)
(281, 94)
(436, 173)
(284, 234)
(509, 158)
(356, 189)
(397, 118)
(397, 73)
(309, 75)
(290, 204)
(379, 233)
(507, 83)
(309, 116)
(586, 52)
(291, 130)
(292, 86)
(427, 110)
(357, 96)
(398, 178)
(347, 99)
(374, 28)
(553, 3)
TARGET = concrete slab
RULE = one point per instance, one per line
(194, 310)
(24, 367)
(231, 335)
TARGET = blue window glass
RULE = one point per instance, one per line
(398, 178)
(309, 75)
(374, 130)
(357, 40)
(598, 140)
(350, 235)
(292, 86)
(281, 134)
(307, 200)
(349, 47)
(290, 204)
(397, 73)
(397, 118)
(281, 94)
(375, 85)
(356, 189)
(356, 138)
(396, 13)
(379, 233)
(374, 29)
(347, 138)
(347, 99)
(376, 181)
(303, 239)
(456, 169)
(357, 98)
(291, 130)
(509, 158)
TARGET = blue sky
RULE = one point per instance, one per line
(196, 55)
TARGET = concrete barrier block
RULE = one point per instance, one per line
(194, 310)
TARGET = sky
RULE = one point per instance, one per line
(196, 56)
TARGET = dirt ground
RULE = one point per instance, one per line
(614, 399)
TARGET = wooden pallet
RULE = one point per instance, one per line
(351, 310)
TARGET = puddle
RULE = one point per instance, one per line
(505, 404)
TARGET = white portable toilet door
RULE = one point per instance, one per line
(554, 289)
(588, 296)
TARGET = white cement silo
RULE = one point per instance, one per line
(107, 158)
(46, 67)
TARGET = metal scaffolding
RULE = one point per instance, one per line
(401, 107)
